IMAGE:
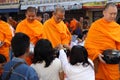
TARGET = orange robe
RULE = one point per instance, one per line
(5, 36)
(73, 24)
(33, 30)
(56, 33)
(103, 35)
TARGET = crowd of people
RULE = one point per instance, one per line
(57, 49)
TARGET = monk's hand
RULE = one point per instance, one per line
(100, 58)
(1, 43)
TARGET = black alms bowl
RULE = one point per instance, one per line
(111, 56)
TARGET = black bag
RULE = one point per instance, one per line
(111, 56)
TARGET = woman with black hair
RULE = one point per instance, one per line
(79, 67)
(44, 62)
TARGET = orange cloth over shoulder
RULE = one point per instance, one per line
(103, 35)
(5, 36)
(56, 33)
(33, 30)
(73, 24)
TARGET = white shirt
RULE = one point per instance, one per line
(76, 72)
(48, 73)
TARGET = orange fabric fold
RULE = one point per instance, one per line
(56, 33)
(103, 35)
(33, 30)
(73, 24)
(5, 36)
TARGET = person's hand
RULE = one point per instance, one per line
(60, 46)
(100, 58)
(67, 47)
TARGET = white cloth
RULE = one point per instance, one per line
(48, 73)
(76, 72)
(77, 43)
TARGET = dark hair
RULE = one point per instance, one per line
(79, 55)
(39, 14)
(2, 58)
(85, 32)
(43, 51)
(2, 17)
(86, 17)
(118, 21)
(109, 4)
(20, 43)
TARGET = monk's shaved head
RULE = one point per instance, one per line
(31, 9)
(31, 14)
(59, 9)
(111, 4)
(110, 12)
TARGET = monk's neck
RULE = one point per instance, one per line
(106, 21)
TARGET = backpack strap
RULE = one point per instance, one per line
(12, 68)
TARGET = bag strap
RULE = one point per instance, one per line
(12, 68)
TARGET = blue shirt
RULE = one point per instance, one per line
(21, 72)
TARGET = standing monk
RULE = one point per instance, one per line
(104, 34)
(31, 27)
(55, 29)
(5, 38)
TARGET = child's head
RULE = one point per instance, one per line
(3, 60)
(78, 55)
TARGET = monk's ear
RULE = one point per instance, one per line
(103, 12)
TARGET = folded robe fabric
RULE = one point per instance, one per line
(5, 36)
(57, 33)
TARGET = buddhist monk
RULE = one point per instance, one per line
(73, 24)
(55, 29)
(31, 27)
(5, 38)
(104, 34)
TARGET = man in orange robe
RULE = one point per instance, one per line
(31, 27)
(73, 24)
(55, 29)
(5, 39)
(104, 34)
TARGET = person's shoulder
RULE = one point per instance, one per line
(31, 73)
(56, 61)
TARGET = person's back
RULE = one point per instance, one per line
(47, 73)
(22, 72)
(17, 68)
(79, 67)
(44, 62)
